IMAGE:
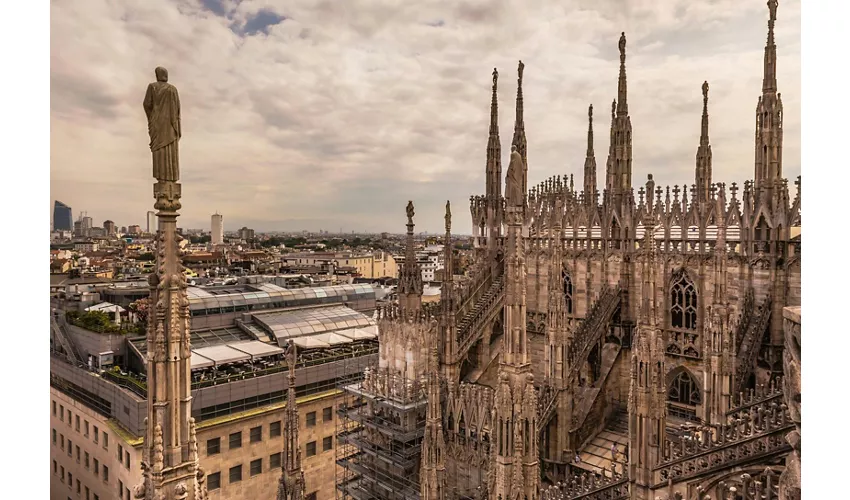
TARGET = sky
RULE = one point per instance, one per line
(324, 114)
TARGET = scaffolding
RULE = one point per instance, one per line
(381, 427)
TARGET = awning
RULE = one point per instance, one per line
(197, 361)
(222, 354)
(257, 349)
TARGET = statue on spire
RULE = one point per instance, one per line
(162, 107)
(448, 216)
(705, 91)
(495, 76)
(772, 5)
(622, 46)
(513, 181)
(519, 71)
(410, 212)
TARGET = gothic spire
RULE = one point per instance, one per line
(291, 484)
(410, 278)
(703, 160)
(494, 108)
(622, 104)
(448, 243)
(519, 125)
(769, 84)
(590, 162)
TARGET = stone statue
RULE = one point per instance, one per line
(622, 45)
(162, 107)
(513, 180)
(448, 217)
(410, 212)
(495, 75)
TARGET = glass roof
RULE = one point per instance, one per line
(316, 321)
(200, 298)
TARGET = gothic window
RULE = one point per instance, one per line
(568, 292)
(684, 390)
(683, 302)
(762, 230)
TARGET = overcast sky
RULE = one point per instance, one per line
(328, 114)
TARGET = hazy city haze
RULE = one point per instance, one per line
(320, 114)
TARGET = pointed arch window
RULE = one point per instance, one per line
(684, 390)
(683, 302)
(568, 291)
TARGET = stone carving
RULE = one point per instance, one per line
(410, 212)
(162, 107)
(513, 180)
(181, 491)
(158, 461)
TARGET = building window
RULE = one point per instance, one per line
(683, 302)
(54, 436)
(214, 481)
(256, 434)
(274, 461)
(120, 453)
(105, 474)
(684, 390)
(56, 467)
(62, 473)
(274, 429)
(86, 428)
(70, 447)
(256, 466)
(568, 291)
(78, 487)
(77, 423)
(87, 493)
(327, 443)
(105, 441)
(95, 434)
(62, 441)
(236, 473)
(69, 418)
(87, 459)
(311, 419)
(236, 440)
(62, 413)
(328, 414)
(70, 478)
(311, 448)
(120, 488)
(54, 408)
(127, 460)
(96, 467)
(213, 446)
(78, 454)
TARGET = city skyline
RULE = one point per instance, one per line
(270, 93)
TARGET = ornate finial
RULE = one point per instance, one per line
(520, 67)
(590, 113)
(448, 217)
(771, 5)
(495, 77)
(410, 212)
(705, 91)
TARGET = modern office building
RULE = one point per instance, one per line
(63, 219)
(217, 228)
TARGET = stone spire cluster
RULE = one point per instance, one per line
(433, 466)
(703, 166)
(410, 285)
(291, 483)
(647, 395)
(515, 470)
(170, 466)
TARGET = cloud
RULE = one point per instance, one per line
(314, 114)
